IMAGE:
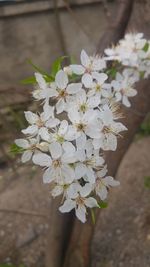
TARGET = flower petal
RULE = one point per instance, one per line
(81, 213)
(91, 202)
(77, 69)
(85, 60)
(61, 79)
(42, 159)
(56, 150)
(31, 117)
(87, 80)
(67, 206)
(26, 156)
(22, 143)
(74, 88)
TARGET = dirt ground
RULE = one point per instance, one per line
(122, 236)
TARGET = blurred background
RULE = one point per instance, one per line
(42, 31)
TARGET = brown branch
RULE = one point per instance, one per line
(117, 27)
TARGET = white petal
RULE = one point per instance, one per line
(81, 213)
(68, 147)
(102, 193)
(43, 132)
(26, 156)
(77, 69)
(57, 191)
(63, 127)
(86, 189)
(74, 88)
(80, 171)
(67, 206)
(93, 101)
(126, 102)
(91, 202)
(32, 130)
(40, 80)
(51, 123)
(42, 159)
(22, 143)
(110, 181)
(87, 80)
(60, 106)
(68, 174)
(56, 150)
(100, 77)
(61, 79)
(72, 191)
(85, 60)
(48, 176)
(81, 141)
(31, 117)
(131, 92)
(90, 175)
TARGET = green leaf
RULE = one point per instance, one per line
(14, 149)
(147, 181)
(146, 47)
(56, 66)
(102, 204)
(112, 72)
(93, 216)
(29, 80)
(38, 69)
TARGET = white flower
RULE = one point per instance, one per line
(109, 134)
(80, 203)
(58, 165)
(103, 183)
(43, 90)
(40, 123)
(89, 66)
(89, 161)
(63, 90)
(123, 88)
(99, 88)
(84, 124)
(83, 103)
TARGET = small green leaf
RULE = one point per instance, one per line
(142, 74)
(147, 181)
(102, 204)
(112, 72)
(14, 149)
(146, 47)
(56, 66)
(29, 80)
(38, 69)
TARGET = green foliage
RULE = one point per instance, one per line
(146, 47)
(29, 80)
(14, 149)
(102, 204)
(147, 181)
(112, 72)
(56, 66)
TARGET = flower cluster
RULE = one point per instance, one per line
(79, 121)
